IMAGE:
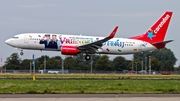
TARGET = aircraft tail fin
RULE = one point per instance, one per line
(157, 31)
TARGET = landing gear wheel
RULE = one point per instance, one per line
(21, 53)
(87, 57)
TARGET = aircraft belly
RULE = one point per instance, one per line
(117, 50)
(149, 47)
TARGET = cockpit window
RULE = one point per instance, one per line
(15, 37)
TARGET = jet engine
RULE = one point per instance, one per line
(69, 50)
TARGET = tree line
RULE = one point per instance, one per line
(161, 60)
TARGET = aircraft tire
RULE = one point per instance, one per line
(21, 53)
(87, 57)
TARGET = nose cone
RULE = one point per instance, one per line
(8, 41)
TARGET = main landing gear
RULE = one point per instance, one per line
(87, 57)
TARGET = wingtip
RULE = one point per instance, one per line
(113, 32)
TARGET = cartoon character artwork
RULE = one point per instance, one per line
(49, 42)
(151, 34)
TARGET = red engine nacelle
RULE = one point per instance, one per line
(69, 50)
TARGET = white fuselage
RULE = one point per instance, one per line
(31, 41)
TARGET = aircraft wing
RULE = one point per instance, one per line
(92, 47)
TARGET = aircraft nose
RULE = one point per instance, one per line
(8, 41)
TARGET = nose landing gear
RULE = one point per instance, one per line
(21, 53)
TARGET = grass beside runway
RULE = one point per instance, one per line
(89, 86)
(103, 76)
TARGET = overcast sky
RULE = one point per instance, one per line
(86, 17)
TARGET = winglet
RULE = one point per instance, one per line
(113, 32)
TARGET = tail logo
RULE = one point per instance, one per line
(150, 34)
(162, 23)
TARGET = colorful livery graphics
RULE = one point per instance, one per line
(152, 39)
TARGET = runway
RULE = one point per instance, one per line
(84, 95)
(89, 97)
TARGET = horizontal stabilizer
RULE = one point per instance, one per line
(160, 45)
(164, 42)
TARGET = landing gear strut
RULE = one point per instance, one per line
(87, 57)
(21, 53)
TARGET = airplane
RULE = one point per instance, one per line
(151, 40)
